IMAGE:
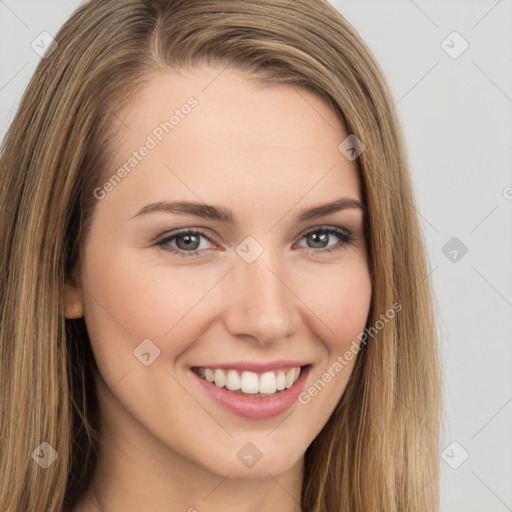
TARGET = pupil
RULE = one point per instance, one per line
(189, 239)
(316, 237)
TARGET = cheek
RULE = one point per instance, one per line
(131, 299)
(339, 296)
(339, 310)
(348, 311)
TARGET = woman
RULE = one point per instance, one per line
(268, 367)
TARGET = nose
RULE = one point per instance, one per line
(260, 302)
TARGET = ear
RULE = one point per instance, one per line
(73, 297)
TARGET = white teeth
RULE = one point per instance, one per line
(268, 383)
(251, 382)
(233, 380)
(281, 381)
(290, 376)
(220, 378)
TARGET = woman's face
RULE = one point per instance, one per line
(241, 291)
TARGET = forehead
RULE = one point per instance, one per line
(211, 129)
(230, 107)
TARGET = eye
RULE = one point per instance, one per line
(187, 242)
(312, 236)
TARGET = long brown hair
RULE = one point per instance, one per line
(379, 449)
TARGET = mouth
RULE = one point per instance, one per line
(255, 384)
(253, 394)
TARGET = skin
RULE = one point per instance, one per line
(267, 153)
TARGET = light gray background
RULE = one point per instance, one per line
(457, 118)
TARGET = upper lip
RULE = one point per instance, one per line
(253, 366)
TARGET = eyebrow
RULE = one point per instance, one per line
(225, 215)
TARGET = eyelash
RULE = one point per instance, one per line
(346, 238)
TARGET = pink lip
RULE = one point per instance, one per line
(255, 408)
(252, 366)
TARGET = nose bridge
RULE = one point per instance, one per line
(261, 304)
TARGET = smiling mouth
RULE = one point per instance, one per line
(249, 383)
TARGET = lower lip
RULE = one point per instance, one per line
(252, 407)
